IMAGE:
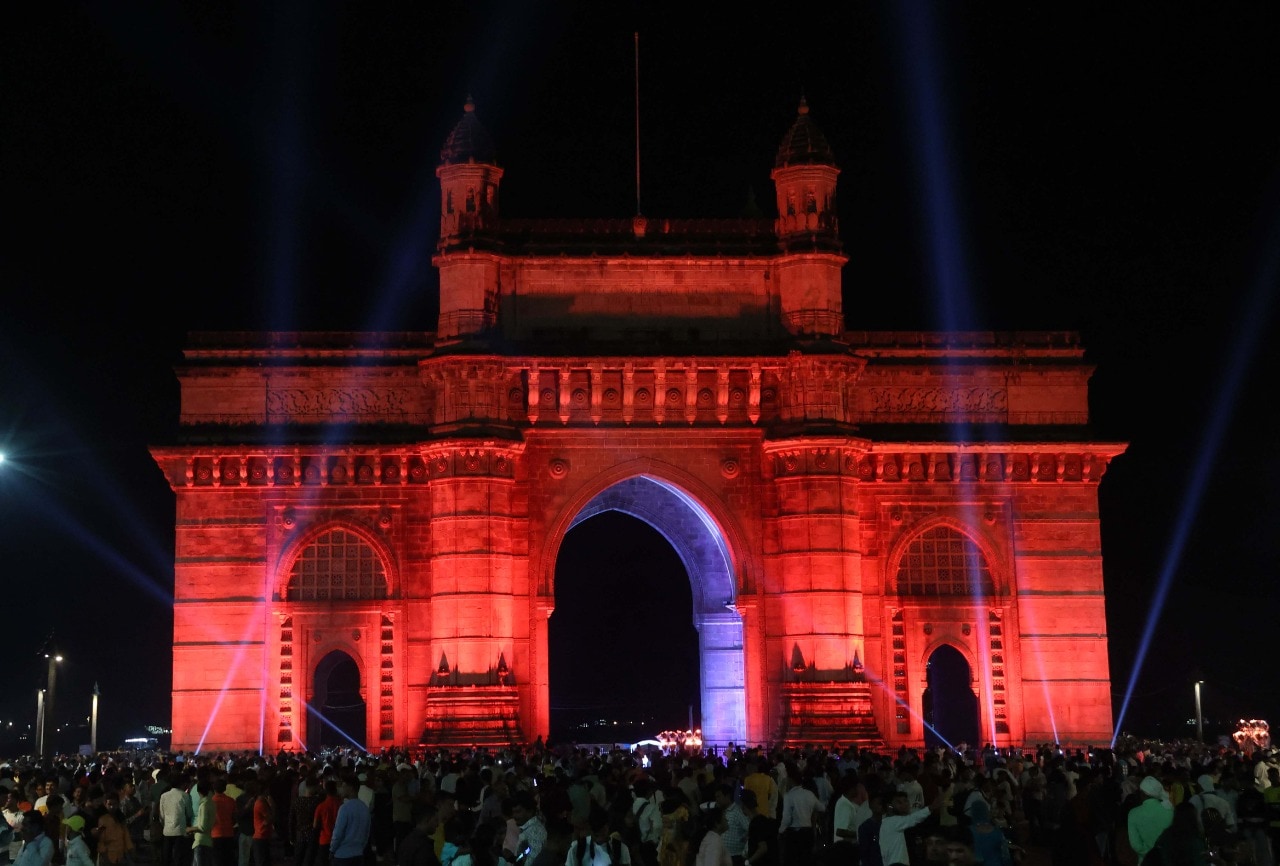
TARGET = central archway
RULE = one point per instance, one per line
(622, 595)
(701, 548)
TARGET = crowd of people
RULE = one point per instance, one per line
(1145, 803)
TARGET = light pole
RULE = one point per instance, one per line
(46, 742)
(40, 722)
(93, 723)
(1199, 716)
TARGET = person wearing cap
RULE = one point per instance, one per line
(1149, 818)
(1208, 796)
(77, 849)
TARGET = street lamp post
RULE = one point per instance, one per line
(46, 721)
(1199, 716)
(93, 723)
(40, 722)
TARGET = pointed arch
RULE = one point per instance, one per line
(943, 556)
(335, 561)
(683, 489)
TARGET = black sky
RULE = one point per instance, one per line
(177, 167)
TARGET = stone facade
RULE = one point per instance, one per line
(845, 502)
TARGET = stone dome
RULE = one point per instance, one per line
(469, 141)
(804, 143)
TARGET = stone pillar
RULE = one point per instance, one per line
(479, 639)
(724, 706)
(814, 603)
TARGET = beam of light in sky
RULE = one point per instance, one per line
(68, 526)
(409, 257)
(932, 149)
(286, 163)
(1255, 317)
(32, 469)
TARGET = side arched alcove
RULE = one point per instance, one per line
(335, 601)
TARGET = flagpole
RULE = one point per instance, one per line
(637, 52)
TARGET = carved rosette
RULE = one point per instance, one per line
(457, 461)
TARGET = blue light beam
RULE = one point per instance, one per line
(1255, 318)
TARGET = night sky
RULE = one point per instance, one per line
(1109, 169)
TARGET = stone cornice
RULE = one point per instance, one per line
(244, 467)
(926, 462)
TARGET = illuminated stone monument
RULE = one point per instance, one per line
(370, 522)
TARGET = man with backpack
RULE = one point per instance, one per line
(647, 821)
(1217, 818)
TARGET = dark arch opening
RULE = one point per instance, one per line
(621, 642)
(336, 714)
(950, 706)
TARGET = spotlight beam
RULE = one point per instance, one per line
(1255, 317)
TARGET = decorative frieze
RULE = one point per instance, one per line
(968, 464)
(345, 468)
(932, 402)
(345, 405)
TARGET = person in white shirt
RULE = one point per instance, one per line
(849, 815)
(800, 812)
(910, 785)
(711, 850)
(176, 815)
(13, 818)
(895, 823)
(600, 848)
(648, 820)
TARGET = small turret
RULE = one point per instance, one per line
(804, 178)
(466, 255)
(469, 178)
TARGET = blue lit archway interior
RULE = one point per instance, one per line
(700, 545)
